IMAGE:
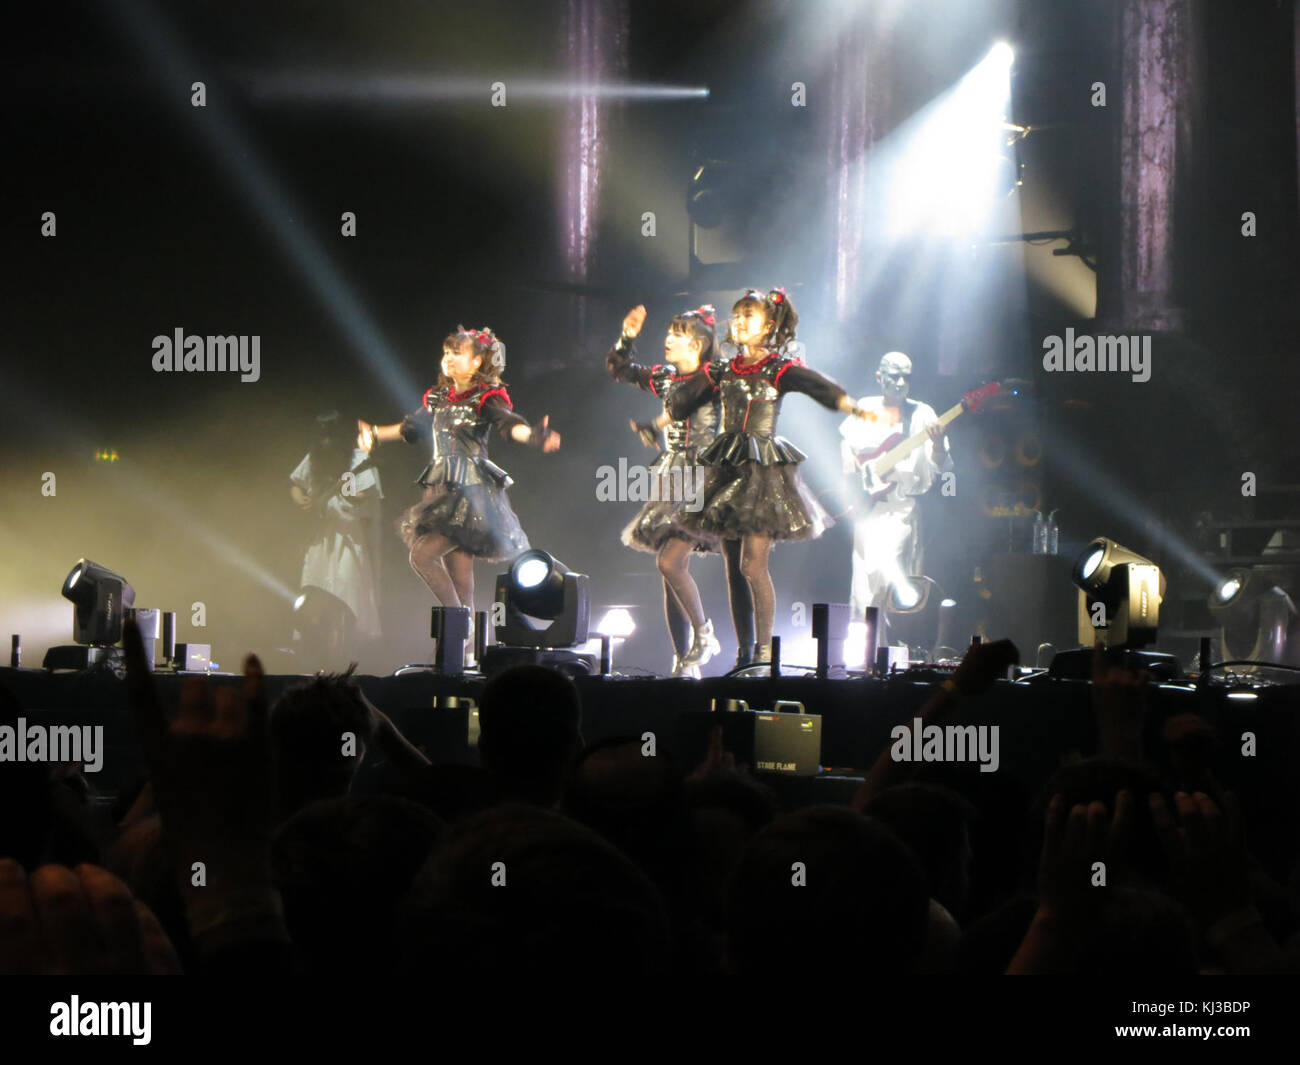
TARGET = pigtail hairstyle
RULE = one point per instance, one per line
(784, 317)
(487, 346)
(778, 310)
(698, 325)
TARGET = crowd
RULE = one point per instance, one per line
(246, 850)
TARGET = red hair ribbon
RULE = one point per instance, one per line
(707, 313)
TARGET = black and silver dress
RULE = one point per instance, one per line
(754, 484)
(464, 491)
(676, 474)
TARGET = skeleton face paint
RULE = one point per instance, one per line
(894, 376)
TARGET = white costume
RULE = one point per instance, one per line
(343, 559)
(886, 536)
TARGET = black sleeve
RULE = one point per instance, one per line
(792, 378)
(690, 395)
(497, 411)
(417, 427)
(619, 362)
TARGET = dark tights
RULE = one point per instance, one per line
(755, 550)
(682, 606)
(741, 598)
(446, 569)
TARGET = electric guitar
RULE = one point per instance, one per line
(878, 464)
(320, 505)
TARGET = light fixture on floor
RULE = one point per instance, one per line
(545, 610)
(100, 599)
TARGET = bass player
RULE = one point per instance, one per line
(886, 531)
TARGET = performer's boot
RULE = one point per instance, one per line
(682, 668)
(705, 647)
(762, 653)
(744, 657)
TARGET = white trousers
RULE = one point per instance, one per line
(886, 547)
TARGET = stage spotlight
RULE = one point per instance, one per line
(1229, 589)
(617, 623)
(910, 595)
(100, 599)
(914, 613)
(545, 605)
(1002, 54)
(1119, 595)
(1255, 618)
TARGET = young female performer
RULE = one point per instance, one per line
(665, 526)
(465, 513)
(754, 493)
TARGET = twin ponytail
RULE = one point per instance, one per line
(780, 312)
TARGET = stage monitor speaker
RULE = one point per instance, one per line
(149, 620)
(830, 624)
(449, 626)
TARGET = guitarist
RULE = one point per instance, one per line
(886, 531)
(338, 486)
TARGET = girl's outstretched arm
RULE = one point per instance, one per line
(370, 434)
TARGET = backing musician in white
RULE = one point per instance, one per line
(886, 531)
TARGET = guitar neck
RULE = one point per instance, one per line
(900, 451)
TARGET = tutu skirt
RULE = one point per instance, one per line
(477, 518)
(674, 514)
(754, 487)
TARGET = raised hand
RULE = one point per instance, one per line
(1119, 701)
(211, 766)
(647, 432)
(717, 759)
(550, 439)
(77, 921)
(1206, 853)
(983, 664)
(633, 321)
(1072, 842)
(211, 772)
(366, 438)
(1069, 897)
